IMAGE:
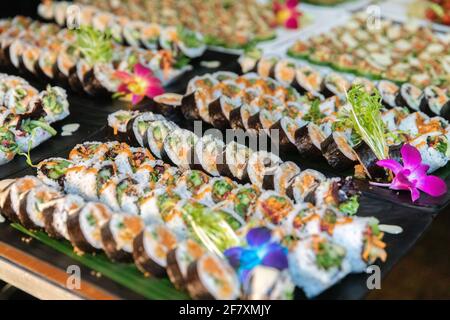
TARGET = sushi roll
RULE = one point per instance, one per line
(244, 200)
(362, 239)
(181, 40)
(157, 205)
(118, 235)
(168, 104)
(413, 123)
(284, 174)
(433, 148)
(150, 249)
(88, 152)
(100, 80)
(304, 221)
(263, 120)
(65, 61)
(286, 133)
(207, 149)
(308, 140)
(55, 104)
(132, 33)
(77, 75)
(150, 33)
(179, 148)
(219, 111)
(233, 160)
(249, 60)
(308, 80)
(84, 226)
(137, 128)
(128, 193)
(316, 263)
(156, 133)
(53, 171)
(335, 85)
(239, 116)
(17, 192)
(30, 56)
(18, 99)
(46, 10)
(388, 91)
(55, 220)
(261, 168)
(82, 180)
(32, 208)
(221, 189)
(409, 96)
(272, 209)
(179, 259)
(8, 146)
(266, 66)
(337, 193)
(5, 200)
(211, 277)
(338, 151)
(285, 72)
(435, 102)
(224, 75)
(304, 184)
(118, 120)
(191, 182)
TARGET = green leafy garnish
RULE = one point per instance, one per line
(95, 46)
(210, 227)
(329, 255)
(314, 114)
(365, 116)
(350, 207)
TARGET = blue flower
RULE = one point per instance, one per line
(260, 250)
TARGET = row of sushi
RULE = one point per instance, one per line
(211, 155)
(53, 54)
(234, 24)
(135, 33)
(26, 115)
(154, 236)
(314, 129)
(307, 79)
(399, 52)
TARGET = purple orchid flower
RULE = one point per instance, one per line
(412, 175)
(260, 250)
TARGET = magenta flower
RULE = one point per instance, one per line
(142, 83)
(412, 175)
(287, 14)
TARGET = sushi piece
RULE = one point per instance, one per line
(77, 75)
(55, 104)
(337, 193)
(304, 221)
(55, 220)
(285, 72)
(308, 140)
(82, 180)
(191, 182)
(244, 201)
(266, 66)
(150, 33)
(179, 259)
(409, 96)
(249, 59)
(84, 226)
(304, 184)
(362, 239)
(316, 263)
(156, 133)
(132, 33)
(182, 40)
(33, 207)
(179, 148)
(434, 149)
(207, 149)
(137, 128)
(100, 80)
(272, 209)
(219, 111)
(118, 120)
(338, 151)
(221, 189)
(263, 120)
(435, 102)
(308, 80)
(88, 152)
(335, 85)
(128, 193)
(52, 171)
(5, 200)
(261, 168)
(8, 146)
(239, 116)
(150, 249)
(233, 161)
(65, 61)
(388, 91)
(18, 98)
(211, 277)
(18, 191)
(284, 174)
(168, 104)
(158, 204)
(286, 133)
(118, 235)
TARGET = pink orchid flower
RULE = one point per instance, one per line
(412, 175)
(142, 83)
(287, 14)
